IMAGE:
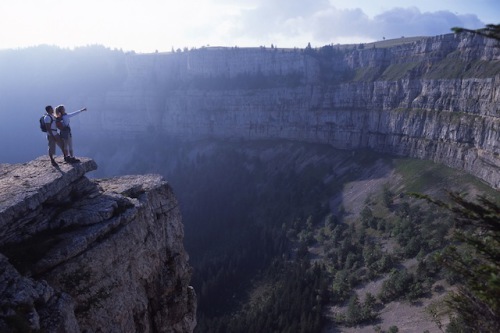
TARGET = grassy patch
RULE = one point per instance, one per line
(483, 69)
(394, 42)
(421, 176)
(367, 74)
(452, 67)
(398, 71)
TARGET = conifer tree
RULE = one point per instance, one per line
(490, 31)
(474, 258)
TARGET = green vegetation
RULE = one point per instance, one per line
(394, 42)
(453, 67)
(398, 71)
(265, 233)
(248, 228)
(450, 67)
(490, 31)
(367, 74)
(294, 303)
(272, 252)
(474, 260)
(422, 175)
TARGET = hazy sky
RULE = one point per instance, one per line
(149, 25)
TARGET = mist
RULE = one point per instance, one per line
(32, 78)
(248, 206)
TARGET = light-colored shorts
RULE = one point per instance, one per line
(52, 144)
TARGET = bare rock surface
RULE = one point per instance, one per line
(433, 98)
(91, 255)
(26, 188)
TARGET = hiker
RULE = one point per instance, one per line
(65, 131)
(52, 135)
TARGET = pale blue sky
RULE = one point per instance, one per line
(149, 25)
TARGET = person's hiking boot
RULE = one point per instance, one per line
(70, 159)
(54, 163)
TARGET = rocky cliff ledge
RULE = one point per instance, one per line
(82, 255)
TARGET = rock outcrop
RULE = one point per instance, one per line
(90, 255)
(434, 98)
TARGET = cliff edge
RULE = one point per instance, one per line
(101, 255)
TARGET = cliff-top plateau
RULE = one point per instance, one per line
(91, 255)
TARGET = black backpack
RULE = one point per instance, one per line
(42, 123)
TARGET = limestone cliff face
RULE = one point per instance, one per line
(91, 255)
(434, 98)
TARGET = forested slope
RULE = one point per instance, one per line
(289, 236)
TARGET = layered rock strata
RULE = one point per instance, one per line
(91, 255)
(434, 98)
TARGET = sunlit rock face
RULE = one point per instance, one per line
(81, 255)
(434, 98)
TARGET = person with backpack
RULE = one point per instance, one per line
(48, 125)
(62, 123)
